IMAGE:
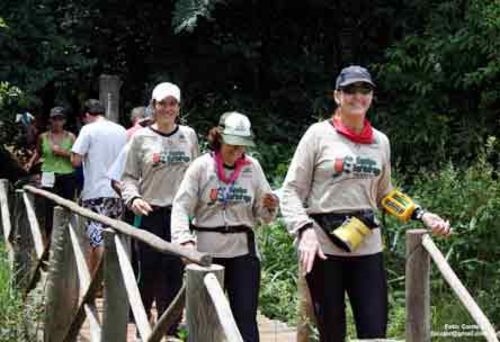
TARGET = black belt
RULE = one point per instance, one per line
(231, 230)
(331, 221)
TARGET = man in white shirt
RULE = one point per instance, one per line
(96, 147)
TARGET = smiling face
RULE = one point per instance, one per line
(354, 99)
(231, 153)
(166, 110)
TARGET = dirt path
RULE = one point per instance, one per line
(270, 330)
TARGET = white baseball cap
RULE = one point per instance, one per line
(236, 129)
(164, 90)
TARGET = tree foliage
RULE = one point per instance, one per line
(440, 86)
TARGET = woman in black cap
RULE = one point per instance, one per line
(54, 148)
(340, 174)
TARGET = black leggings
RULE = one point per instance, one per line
(160, 275)
(364, 280)
(241, 281)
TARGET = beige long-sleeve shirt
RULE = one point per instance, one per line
(200, 195)
(156, 163)
(331, 174)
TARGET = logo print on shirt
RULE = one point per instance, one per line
(236, 195)
(169, 157)
(361, 167)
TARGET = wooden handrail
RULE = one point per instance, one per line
(134, 297)
(81, 265)
(126, 229)
(459, 289)
(170, 316)
(222, 308)
(36, 234)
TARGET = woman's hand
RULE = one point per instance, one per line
(270, 201)
(140, 207)
(58, 150)
(436, 224)
(190, 245)
(309, 247)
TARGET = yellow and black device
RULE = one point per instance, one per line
(347, 230)
(350, 234)
(400, 205)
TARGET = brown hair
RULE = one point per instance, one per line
(214, 138)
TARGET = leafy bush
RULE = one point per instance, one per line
(278, 291)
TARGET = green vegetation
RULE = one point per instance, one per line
(11, 306)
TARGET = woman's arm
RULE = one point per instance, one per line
(266, 202)
(184, 203)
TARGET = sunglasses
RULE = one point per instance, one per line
(361, 89)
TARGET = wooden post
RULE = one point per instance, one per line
(62, 291)
(201, 316)
(306, 312)
(114, 326)
(5, 219)
(109, 95)
(22, 242)
(418, 326)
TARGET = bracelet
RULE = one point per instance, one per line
(131, 202)
(418, 213)
(304, 228)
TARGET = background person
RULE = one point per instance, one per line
(54, 149)
(96, 148)
(227, 193)
(157, 159)
(341, 170)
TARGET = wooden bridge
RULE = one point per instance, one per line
(58, 273)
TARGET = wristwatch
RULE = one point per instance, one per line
(418, 213)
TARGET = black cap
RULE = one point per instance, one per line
(57, 111)
(353, 74)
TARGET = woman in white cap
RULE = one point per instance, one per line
(156, 161)
(227, 194)
(54, 148)
(339, 175)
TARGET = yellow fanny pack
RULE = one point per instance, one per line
(347, 231)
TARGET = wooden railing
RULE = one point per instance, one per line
(420, 249)
(70, 287)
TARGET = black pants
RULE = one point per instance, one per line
(364, 280)
(160, 275)
(64, 186)
(242, 282)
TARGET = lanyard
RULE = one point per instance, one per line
(230, 181)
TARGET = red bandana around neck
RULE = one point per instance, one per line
(364, 137)
(219, 166)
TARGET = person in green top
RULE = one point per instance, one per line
(54, 149)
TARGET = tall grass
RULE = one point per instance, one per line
(11, 307)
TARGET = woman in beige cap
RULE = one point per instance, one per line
(227, 194)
